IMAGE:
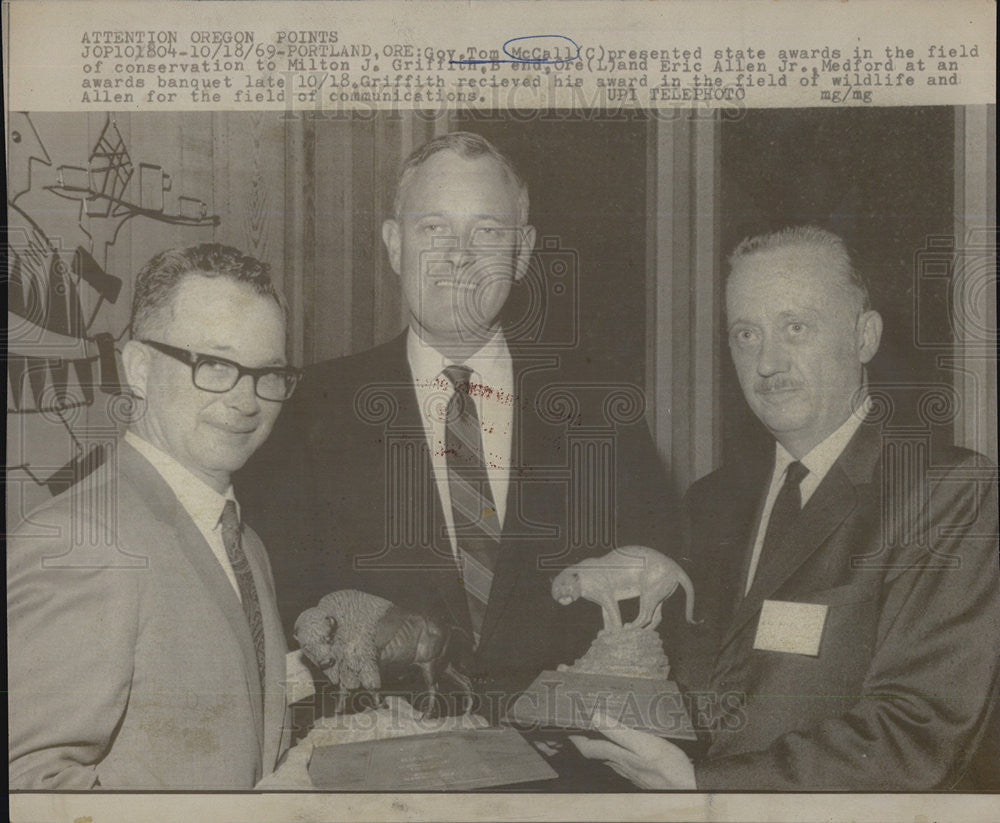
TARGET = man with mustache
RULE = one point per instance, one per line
(145, 649)
(457, 468)
(851, 589)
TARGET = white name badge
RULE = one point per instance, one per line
(795, 628)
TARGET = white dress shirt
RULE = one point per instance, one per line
(492, 389)
(203, 503)
(819, 461)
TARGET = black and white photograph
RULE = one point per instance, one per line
(542, 453)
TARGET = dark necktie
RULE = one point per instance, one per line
(784, 513)
(244, 580)
(476, 523)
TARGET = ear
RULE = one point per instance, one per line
(869, 335)
(135, 360)
(525, 245)
(390, 236)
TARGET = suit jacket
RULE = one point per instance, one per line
(130, 659)
(343, 495)
(900, 543)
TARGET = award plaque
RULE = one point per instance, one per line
(461, 760)
(625, 673)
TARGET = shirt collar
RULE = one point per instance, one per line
(203, 503)
(823, 455)
(491, 365)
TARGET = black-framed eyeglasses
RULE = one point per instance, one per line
(219, 375)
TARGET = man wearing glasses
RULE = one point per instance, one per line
(145, 649)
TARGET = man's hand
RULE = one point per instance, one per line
(648, 761)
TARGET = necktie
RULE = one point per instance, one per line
(244, 579)
(476, 523)
(784, 513)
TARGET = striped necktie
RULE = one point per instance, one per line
(476, 523)
(231, 530)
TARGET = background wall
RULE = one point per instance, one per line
(306, 196)
(634, 215)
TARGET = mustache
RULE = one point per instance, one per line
(767, 385)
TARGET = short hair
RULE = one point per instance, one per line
(467, 145)
(157, 282)
(812, 237)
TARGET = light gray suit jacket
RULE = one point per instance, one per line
(130, 659)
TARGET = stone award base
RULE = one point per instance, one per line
(624, 673)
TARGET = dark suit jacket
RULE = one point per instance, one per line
(344, 496)
(131, 664)
(901, 544)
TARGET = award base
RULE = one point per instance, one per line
(624, 674)
(568, 700)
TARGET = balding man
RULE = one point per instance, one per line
(852, 600)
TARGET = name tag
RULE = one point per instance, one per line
(795, 628)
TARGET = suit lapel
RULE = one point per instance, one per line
(828, 507)
(437, 556)
(274, 703)
(167, 509)
(511, 562)
(506, 572)
(747, 507)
